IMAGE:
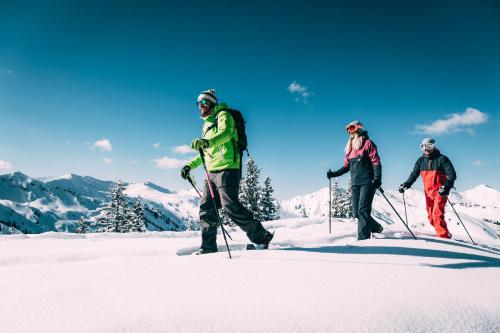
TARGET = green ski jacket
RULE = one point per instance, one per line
(220, 131)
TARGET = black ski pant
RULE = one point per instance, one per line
(362, 198)
(226, 185)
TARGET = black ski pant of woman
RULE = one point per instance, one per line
(362, 198)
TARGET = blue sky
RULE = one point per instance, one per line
(73, 74)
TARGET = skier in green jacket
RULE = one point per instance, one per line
(219, 142)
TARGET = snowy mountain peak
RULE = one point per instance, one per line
(482, 195)
(17, 179)
(483, 187)
(157, 188)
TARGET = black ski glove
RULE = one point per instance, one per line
(185, 171)
(403, 187)
(376, 182)
(444, 190)
(330, 174)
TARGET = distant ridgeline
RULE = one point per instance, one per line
(29, 205)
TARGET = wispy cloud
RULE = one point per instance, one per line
(5, 165)
(107, 160)
(103, 145)
(156, 145)
(301, 92)
(184, 149)
(133, 162)
(477, 163)
(169, 163)
(455, 122)
(8, 71)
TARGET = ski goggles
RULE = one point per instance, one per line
(352, 128)
(427, 146)
(204, 102)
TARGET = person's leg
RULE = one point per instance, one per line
(429, 205)
(208, 219)
(228, 183)
(364, 210)
(374, 226)
(438, 217)
(355, 200)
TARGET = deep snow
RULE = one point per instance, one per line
(309, 281)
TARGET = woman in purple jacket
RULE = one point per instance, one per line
(362, 160)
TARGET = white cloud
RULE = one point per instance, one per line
(302, 91)
(169, 163)
(8, 71)
(184, 149)
(455, 122)
(477, 163)
(156, 145)
(133, 162)
(5, 165)
(107, 160)
(103, 145)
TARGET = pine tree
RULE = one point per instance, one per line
(346, 202)
(268, 205)
(303, 211)
(192, 225)
(81, 226)
(137, 221)
(114, 215)
(225, 219)
(249, 189)
(338, 210)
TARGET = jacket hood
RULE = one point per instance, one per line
(217, 108)
(364, 134)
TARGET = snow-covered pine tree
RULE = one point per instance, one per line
(137, 223)
(303, 211)
(268, 205)
(191, 223)
(249, 189)
(346, 201)
(81, 226)
(338, 211)
(226, 220)
(114, 215)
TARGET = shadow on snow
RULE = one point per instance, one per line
(472, 260)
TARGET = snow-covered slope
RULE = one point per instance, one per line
(309, 281)
(479, 208)
(179, 207)
(31, 205)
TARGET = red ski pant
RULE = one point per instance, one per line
(435, 209)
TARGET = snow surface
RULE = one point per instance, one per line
(309, 281)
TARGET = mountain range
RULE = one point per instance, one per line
(37, 205)
(30, 205)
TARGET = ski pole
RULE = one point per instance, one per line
(463, 225)
(330, 210)
(191, 181)
(382, 191)
(404, 203)
(212, 195)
